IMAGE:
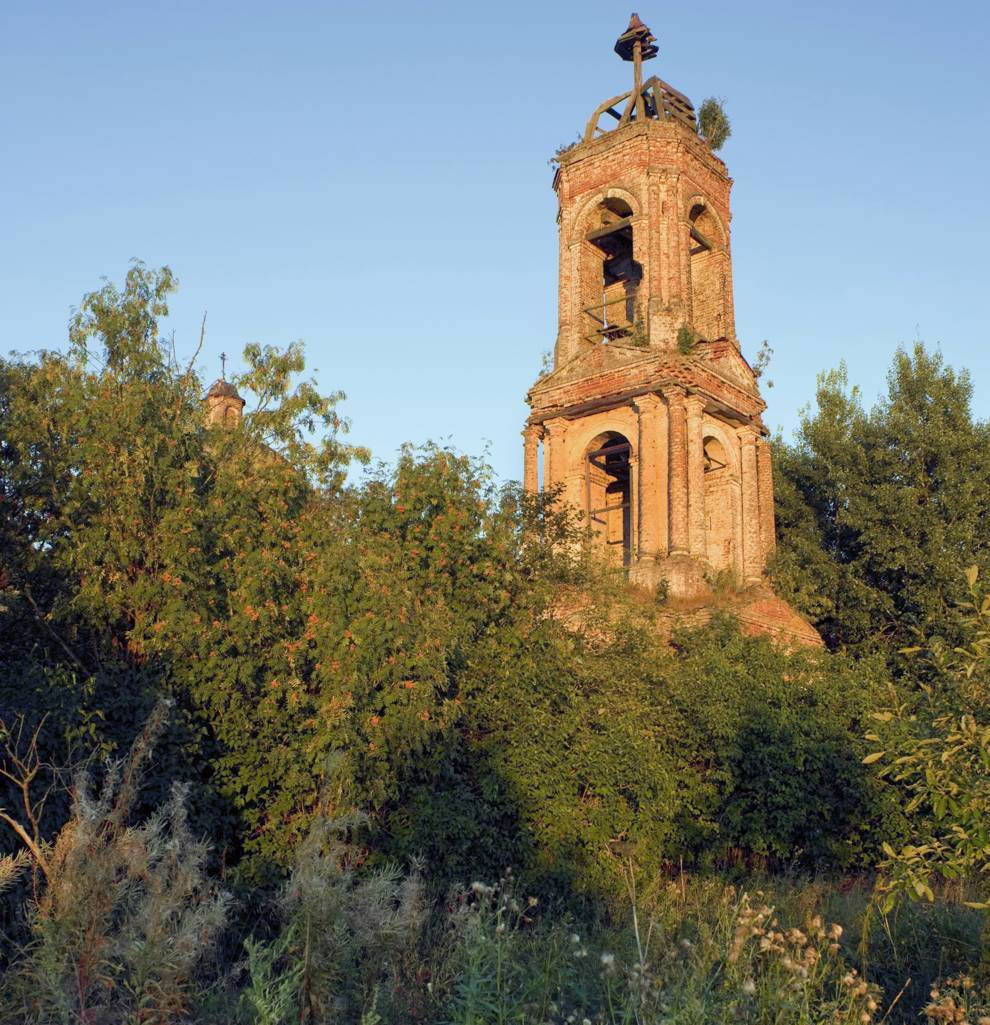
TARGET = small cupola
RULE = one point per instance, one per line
(224, 406)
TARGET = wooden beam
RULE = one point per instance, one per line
(609, 229)
(698, 237)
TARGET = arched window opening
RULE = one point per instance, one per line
(707, 273)
(715, 457)
(607, 474)
(610, 276)
(721, 508)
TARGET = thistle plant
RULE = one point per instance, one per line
(127, 912)
(347, 937)
(958, 999)
(713, 955)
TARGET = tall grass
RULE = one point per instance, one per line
(126, 926)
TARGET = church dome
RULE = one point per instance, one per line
(221, 389)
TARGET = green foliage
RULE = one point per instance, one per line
(937, 751)
(762, 361)
(711, 956)
(128, 913)
(905, 951)
(639, 337)
(727, 748)
(686, 340)
(271, 993)
(390, 647)
(713, 123)
(424, 647)
(877, 508)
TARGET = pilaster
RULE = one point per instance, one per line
(764, 468)
(694, 407)
(751, 546)
(532, 434)
(555, 453)
(678, 480)
(652, 490)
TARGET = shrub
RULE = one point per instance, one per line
(686, 340)
(584, 753)
(713, 123)
(937, 751)
(126, 913)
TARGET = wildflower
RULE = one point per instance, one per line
(835, 931)
(575, 938)
(608, 960)
(532, 902)
(749, 987)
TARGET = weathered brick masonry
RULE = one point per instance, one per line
(651, 418)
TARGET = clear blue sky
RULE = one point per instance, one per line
(373, 179)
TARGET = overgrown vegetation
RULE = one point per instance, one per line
(687, 338)
(713, 123)
(880, 511)
(350, 708)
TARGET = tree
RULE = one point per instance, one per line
(877, 509)
(124, 514)
(713, 123)
(937, 752)
(313, 636)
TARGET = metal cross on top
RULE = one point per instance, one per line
(223, 366)
(637, 44)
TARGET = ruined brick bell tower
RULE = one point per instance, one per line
(650, 419)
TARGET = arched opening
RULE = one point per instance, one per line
(707, 273)
(610, 276)
(721, 488)
(607, 475)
